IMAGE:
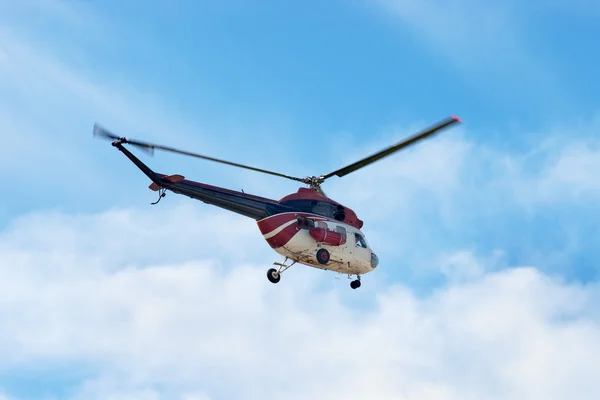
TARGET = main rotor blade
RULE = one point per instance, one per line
(392, 149)
(99, 131)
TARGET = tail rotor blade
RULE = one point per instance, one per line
(101, 132)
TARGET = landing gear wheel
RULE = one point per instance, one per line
(273, 275)
(323, 256)
(355, 284)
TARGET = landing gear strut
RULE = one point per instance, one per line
(355, 284)
(162, 192)
(274, 275)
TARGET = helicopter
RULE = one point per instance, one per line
(305, 227)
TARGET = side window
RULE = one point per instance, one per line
(342, 231)
(321, 224)
(360, 242)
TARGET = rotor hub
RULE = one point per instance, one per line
(313, 181)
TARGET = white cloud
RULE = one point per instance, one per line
(574, 173)
(463, 265)
(110, 389)
(194, 326)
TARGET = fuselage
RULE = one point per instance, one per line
(279, 224)
(299, 236)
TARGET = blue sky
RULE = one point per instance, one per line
(496, 215)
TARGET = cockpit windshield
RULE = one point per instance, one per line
(360, 241)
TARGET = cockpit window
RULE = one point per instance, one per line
(324, 208)
(360, 242)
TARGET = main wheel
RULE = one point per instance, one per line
(355, 284)
(323, 256)
(273, 275)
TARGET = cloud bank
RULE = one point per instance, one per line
(206, 329)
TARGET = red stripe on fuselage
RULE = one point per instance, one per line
(283, 237)
(273, 222)
(269, 224)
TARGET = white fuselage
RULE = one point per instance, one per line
(294, 241)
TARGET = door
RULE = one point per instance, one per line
(362, 253)
(338, 253)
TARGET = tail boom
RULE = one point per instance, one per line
(251, 206)
(245, 204)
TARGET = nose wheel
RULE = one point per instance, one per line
(355, 284)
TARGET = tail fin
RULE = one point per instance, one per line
(166, 179)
